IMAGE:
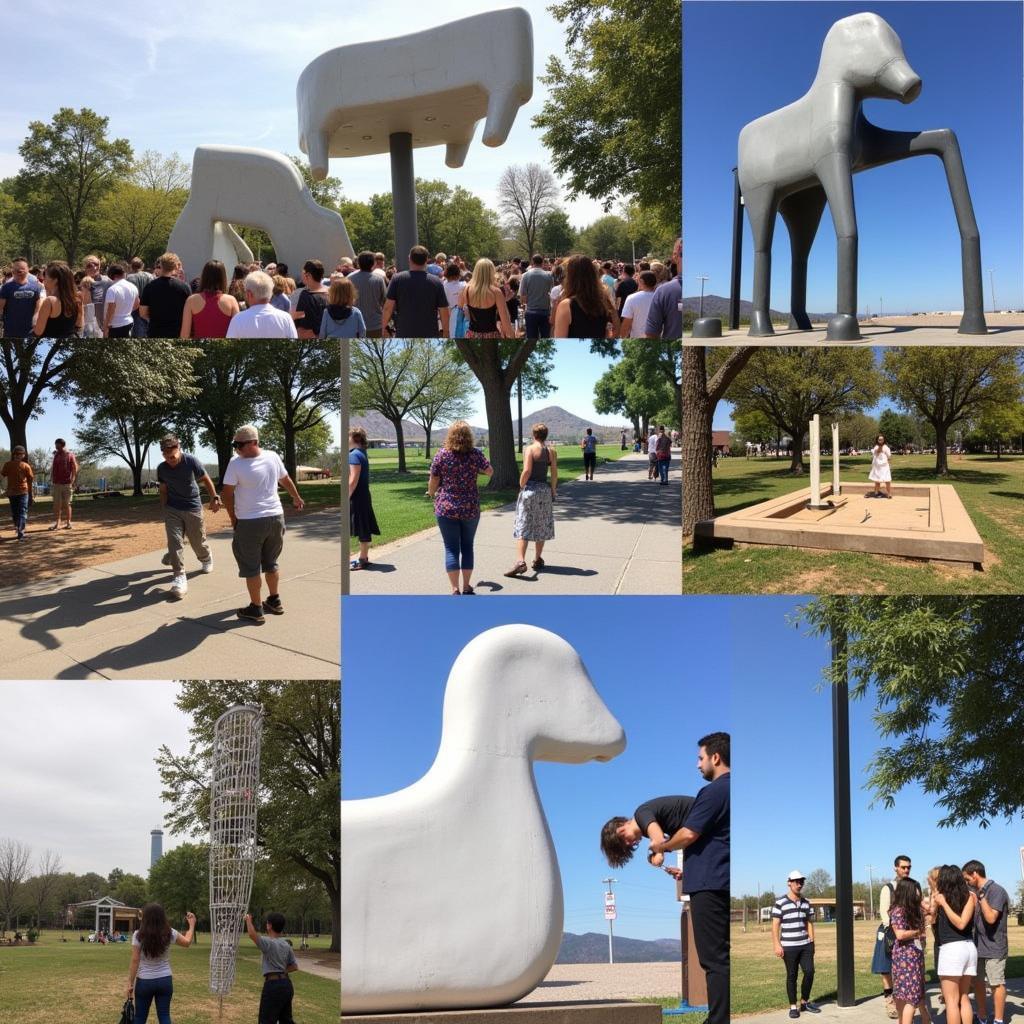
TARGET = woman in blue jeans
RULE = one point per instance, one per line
(149, 976)
(453, 486)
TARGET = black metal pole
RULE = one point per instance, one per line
(519, 390)
(844, 844)
(737, 253)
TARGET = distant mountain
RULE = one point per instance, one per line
(565, 426)
(592, 948)
(717, 305)
(376, 426)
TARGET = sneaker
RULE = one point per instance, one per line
(207, 566)
(810, 1008)
(50, 529)
(179, 586)
(67, 526)
(273, 605)
(794, 1014)
(252, 613)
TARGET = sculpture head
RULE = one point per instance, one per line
(864, 51)
(522, 691)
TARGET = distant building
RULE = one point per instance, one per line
(721, 441)
(156, 845)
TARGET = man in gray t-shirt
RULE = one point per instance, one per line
(535, 293)
(277, 963)
(371, 290)
(990, 937)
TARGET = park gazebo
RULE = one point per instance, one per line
(110, 915)
(312, 473)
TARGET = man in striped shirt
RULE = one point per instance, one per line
(793, 932)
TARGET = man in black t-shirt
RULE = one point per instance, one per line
(163, 300)
(658, 819)
(625, 287)
(417, 299)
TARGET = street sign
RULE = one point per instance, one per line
(609, 906)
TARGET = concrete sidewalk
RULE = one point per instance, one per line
(871, 1010)
(616, 534)
(116, 621)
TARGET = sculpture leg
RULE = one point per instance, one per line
(761, 209)
(403, 191)
(801, 213)
(881, 146)
(837, 180)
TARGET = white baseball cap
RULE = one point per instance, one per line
(794, 875)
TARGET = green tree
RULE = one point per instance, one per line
(611, 133)
(526, 194)
(947, 386)
(432, 199)
(130, 393)
(791, 385)
(132, 890)
(469, 228)
(446, 396)
(946, 677)
(557, 236)
(898, 428)
(753, 426)
(326, 192)
(297, 824)
(859, 430)
(607, 238)
(69, 165)
(180, 880)
(1000, 425)
(359, 224)
(29, 368)
(634, 388)
(310, 445)
(303, 381)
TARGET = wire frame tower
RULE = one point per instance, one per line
(233, 796)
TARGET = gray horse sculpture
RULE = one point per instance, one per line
(793, 160)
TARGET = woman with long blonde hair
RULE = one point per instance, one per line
(484, 301)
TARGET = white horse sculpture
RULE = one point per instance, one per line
(794, 159)
(451, 894)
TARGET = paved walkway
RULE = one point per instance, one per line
(616, 534)
(308, 962)
(116, 621)
(871, 1010)
(870, 335)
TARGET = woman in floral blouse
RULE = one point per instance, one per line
(453, 476)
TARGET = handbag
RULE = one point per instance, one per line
(889, 937)
(127, 1012)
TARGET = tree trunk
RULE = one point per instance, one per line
(291, 459)
(429, 432)
(941, 454)
(500, 443)
(400, 440)
(796, 462)
(698, 413)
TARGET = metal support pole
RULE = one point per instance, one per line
(519, 391)
(403, 197)
(737, 253)
(843, 830)
(345, 522)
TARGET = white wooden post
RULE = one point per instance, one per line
(815, 444)
(835, 460)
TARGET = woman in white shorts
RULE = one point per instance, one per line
(954, 906)
(880, 471)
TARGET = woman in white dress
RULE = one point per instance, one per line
(880, 472)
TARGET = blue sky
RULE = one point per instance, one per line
(742, 60)
(397, 653)
(192, 76)
(782, 797)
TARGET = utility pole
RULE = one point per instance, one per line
(702, 278)
(609, 913)
(871, 899)
(519, 389)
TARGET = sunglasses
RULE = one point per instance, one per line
(798, 881)
(241, 444)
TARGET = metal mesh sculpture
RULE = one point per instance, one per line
(233, 794)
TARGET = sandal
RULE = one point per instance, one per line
(538, 564)
(358, 563)
(469, 592)
(517, 570)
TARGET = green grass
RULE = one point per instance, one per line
(758, 979)
(85, 983)
(400, 502)
(991, 489)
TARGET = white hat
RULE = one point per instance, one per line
(794, 875)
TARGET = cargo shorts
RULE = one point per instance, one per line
(257, 545)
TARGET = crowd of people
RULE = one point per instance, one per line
(963, 913)
(438, 296)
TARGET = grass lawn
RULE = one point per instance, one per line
(85, 983)
(399, 500)
(991, 489)
(758, 979)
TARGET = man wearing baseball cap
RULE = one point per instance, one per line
(249, 491)
(793, 932)
(178, 476)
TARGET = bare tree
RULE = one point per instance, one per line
(49, 867)
(14, 858)
(525, 194)
(447, 397)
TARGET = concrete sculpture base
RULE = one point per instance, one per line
(258, 188)
(919, 521)
(707, 327)
(461, 864)
(434, 85)
(532, 1013)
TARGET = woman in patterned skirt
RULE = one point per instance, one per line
(535, 514)
(906, 918)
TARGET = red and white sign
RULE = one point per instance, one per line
(609, 906)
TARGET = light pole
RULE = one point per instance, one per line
(702, 278)
(871, 899)
(842, 817)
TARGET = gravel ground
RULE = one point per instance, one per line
(577, 982)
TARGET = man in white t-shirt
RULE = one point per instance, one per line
(260, 319)
(634, 309)
(652, 454)
(121, 300)
(249, 493)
